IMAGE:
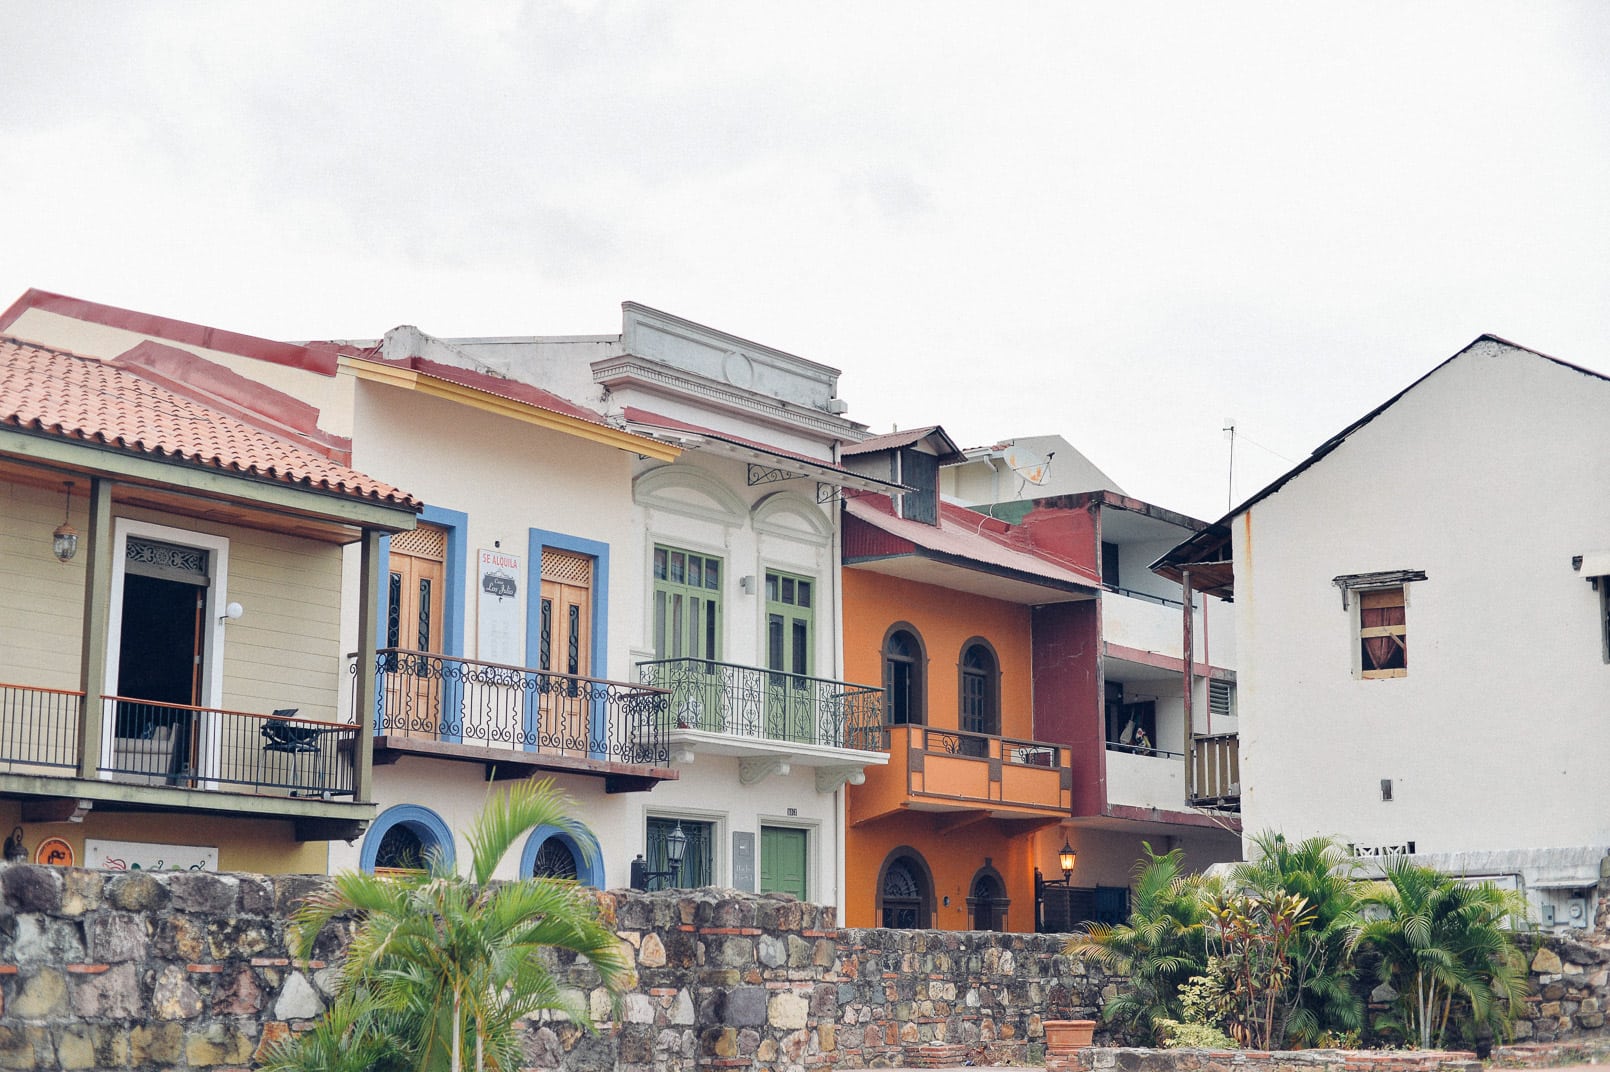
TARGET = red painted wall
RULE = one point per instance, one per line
(1068, 707)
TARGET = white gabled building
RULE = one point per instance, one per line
(1423, 637)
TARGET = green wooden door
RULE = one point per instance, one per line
(791, 701)
(782, 860)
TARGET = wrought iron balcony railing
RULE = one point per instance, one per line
(39, 729)
(518, 709)
(212, 749)
(748, 701)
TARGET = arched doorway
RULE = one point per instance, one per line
(905, 891)
(987, 901)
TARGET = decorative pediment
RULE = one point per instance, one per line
(691, 492)
(787, 513)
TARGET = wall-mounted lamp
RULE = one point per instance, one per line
(231, 613)
(15, 852)
(64, 541)
(1066, 858)
(747, 583)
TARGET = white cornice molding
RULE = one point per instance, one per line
(651, 375)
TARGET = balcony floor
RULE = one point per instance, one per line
(507, 763)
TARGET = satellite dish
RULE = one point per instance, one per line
(1029, 465)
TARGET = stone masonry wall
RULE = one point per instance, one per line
(183, 970)
(190, 970)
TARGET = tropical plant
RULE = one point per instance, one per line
(1160, 947)
(440, 967)
(1445, 946)
(1252, 939)
(1319, 998)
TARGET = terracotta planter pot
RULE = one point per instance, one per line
(1065, 1036)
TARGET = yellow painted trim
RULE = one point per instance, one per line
(475, 398)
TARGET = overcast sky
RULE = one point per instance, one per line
(1122, 223)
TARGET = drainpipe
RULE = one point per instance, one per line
(1190, 683)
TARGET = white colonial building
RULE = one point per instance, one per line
(624, 578)
(1384, 590)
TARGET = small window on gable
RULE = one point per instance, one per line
(1381, 620)
(1383, 633)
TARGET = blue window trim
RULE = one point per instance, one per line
(589, 857)
(456, 522)
(432, 832)
(599, 656)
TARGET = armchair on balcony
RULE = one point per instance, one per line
(294, 740)
(146, 759)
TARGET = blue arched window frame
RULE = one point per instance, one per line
(589, 857)
(426, 824)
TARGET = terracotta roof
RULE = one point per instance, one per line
(71, 397)
(967, 534)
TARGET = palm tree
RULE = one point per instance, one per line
(1319, 996)
(1446, 948)
(445, 965)
(1160, 947)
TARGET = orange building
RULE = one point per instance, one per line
(939, 605)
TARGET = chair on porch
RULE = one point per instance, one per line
(293, 740)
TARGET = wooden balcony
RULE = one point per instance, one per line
(951, 771)
(173, 756)
(1216, 772)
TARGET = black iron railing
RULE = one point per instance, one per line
(987, 746)
(212, 749)
(38, 728)
(747, 701)
(442, 698)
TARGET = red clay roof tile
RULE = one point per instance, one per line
(73, 397)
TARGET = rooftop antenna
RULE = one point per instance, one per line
(1229, 493)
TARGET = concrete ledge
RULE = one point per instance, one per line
(1103, 1059)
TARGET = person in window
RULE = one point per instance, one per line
(1143, 743)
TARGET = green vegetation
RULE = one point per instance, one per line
(1272, 957)
(440, 967)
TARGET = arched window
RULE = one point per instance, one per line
(905, 891)
(987, 901)
(903, 664)
(981, 689)
(552, 853)
(403, 838)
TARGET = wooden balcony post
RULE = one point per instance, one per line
(97, 599)
(1190, 686)
(363, 695)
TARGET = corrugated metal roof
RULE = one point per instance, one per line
(966, 534)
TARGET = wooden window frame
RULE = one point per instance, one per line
(1377, 598)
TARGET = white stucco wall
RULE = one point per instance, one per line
(1489, 476)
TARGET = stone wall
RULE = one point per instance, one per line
(190, 970)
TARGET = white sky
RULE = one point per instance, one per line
(1117, 222)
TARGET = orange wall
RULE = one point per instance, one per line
(944, 619)
(953, 858)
